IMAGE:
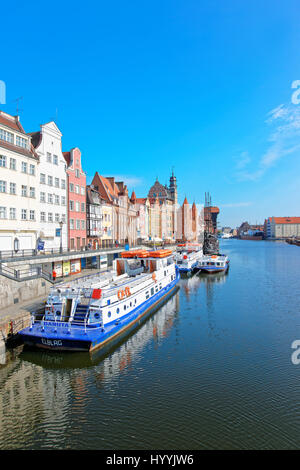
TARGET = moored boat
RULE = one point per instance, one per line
(213, 263)
(85, 318)
(187, 255)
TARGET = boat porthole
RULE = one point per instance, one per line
(124, 307)
(97, 315)
(118, 310)
(109, 314)
(58, 313)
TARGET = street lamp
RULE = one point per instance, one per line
(61, 226)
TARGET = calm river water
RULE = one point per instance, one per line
(211, 369)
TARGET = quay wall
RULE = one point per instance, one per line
(15, 292)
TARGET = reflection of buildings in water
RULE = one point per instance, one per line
(211, 281)
(189, 284)
(29, 397)
(156, 329)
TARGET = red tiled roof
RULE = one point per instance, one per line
(286, 220)
(11, 121)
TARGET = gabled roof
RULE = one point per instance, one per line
(12, 122)
(185, 202)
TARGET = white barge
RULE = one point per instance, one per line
(91, 315)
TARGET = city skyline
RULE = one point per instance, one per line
(204, 89)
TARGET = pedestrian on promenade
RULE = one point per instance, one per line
(53, 275)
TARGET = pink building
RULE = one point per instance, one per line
(76, 200)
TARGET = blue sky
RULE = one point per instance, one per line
(141, 87)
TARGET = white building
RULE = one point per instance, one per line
(18, 186)
(52, 190)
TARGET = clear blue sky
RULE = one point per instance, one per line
(140, 87)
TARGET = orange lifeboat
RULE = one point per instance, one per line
(160, 253)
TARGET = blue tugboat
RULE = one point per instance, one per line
(85, 318)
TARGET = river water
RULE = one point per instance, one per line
(211, 369)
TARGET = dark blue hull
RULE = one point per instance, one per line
(58, 339)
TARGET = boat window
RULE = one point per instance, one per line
(152, 291)
(124, 307)
(160, 286)
(218, 264)
(118, 310)
(109, 314)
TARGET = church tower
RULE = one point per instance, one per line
(173, 187)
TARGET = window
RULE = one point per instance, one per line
(32, 170)
(82, 225)
(109, 314)
(82, 190)
(77, 189)
(2, 161)
(50, 180)
(12, 213)
(55, 159)
(24, 214)
(152, 291)
(77, 206)
(20, 142)
(56, 199)
(71, 203)
(24, 167)
(32, 215)
(43, 216)
(12, 163)
(42, 197)
(71, 188)
(24, 190)
(56, 182)
(50, 198)
(71, 224)
(49, 159)
(77, 224)
(56, 217)
(50, 217)
(63, 184)
(7, 136)
(2, 212)
(77, 174)
(12, 188)
(42, 178)
(32, 192)
(63, 201)
(2, 186)
(63, 218)
(82, 207)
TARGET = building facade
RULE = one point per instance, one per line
(76, 193)
(99, 220)
(52, 188)
(282, 227)
(124, 213)
(18, 186)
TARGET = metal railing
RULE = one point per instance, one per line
(24, 274)
(9, 254)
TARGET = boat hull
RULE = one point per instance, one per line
(58, 339)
